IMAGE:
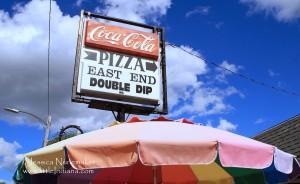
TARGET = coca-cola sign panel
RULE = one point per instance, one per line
(122, 40)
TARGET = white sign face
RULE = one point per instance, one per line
(118, 76)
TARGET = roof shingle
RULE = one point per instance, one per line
(285, 136)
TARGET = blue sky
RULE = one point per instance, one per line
(252, 37)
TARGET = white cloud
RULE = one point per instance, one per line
(7, 182)
(182, 72)
(202, 10)
(282, 10)
(223, 124)
(280, 84)
(209, 124)
(259, 121)
(8, 155)
(87, 122)
(139, 11)
(222, 74)
(202, 101)
(272, 73)
(79, 2)
(227, 125)
(218, 25)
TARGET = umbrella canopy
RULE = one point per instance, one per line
(200, 152)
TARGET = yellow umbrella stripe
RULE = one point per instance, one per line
(212, 172)
(45, 160)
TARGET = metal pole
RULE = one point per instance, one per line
(47, 130)
(121, 116)
(154, 175)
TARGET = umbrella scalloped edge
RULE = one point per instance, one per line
(283, 161)
(254, 157)
(232, 153)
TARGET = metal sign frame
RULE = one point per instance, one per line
(113, 105)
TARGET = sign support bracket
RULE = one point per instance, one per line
(120, 117)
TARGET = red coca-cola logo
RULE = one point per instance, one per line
(118, 39)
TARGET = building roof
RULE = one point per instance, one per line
(285, 136)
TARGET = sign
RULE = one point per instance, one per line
(115, 75)
(118, 39)
(120, 69)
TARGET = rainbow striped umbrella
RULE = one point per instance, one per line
(211, 173)
(159, 151)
